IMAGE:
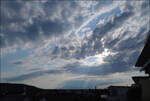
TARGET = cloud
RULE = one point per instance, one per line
(118, 26)
(94, 44)
(104, 37)
(108, 68)
(115, 34)
(17, 62)
(61, 37)
(24, 21)
(83, 84)
(32, 75)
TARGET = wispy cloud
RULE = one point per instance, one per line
(33, 75)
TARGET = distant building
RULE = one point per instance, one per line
(117, 93)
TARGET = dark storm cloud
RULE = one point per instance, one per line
(117, 22)
(111, 67)
(24, 21)
(127, 50)
(145, 8)
(32, 75)
(121, 62)
(94, 44)
(131, 43)
(145, 5)
(111, 25)
(127, 54)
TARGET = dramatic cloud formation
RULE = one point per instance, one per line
(75, 41)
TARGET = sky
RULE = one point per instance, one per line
(72, 44)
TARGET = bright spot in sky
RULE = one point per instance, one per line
(98, 58)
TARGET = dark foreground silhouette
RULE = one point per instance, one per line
(21, 92)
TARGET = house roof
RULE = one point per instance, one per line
(137, 79)
(145, 54)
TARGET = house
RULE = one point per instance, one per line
(15, 97)
(143, 82)
(117, 93)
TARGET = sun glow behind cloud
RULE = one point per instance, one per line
(97, 59)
